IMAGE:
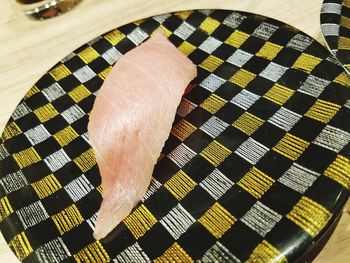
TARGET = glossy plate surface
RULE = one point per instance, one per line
(255, 169)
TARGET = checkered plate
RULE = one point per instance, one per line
(335, 23)
(255, 169)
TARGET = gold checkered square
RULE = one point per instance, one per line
(88, 54)
(65, 136)
(343, 79)
(34, 90)
(166, 31)
(269, 50)
(183, 129)
(79, 93)
(279, 94)
(248, 123)
(215, 153)
(256, 182)
(213, 103)
(140, 221)
(344, 43)
(242, 78)
(139, 22)
(180, 185)
(291, 146)
(60, 72)
(99, 189)
(46, 186)
(265, 252)
(306, 62)
(345, 22)
(11, 130)
(46, 112)
(26, 157)
(184, 14)
(5, 208)
(309, 215)
(92, 253)
(114, 37)
(346, 3)
(103, 74)
(209, 25)
(175, 253)
(67, 219)
(86, 160)
(21, 246)
(339, 171)
(237, 38)
(186, 48)
(217, 220)
(322, 111)
(211, 63)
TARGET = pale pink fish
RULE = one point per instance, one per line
(130, 121)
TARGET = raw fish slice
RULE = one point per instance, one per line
(130, 121)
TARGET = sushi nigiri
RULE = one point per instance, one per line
(130, 121)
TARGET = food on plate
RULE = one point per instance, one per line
(131, 119)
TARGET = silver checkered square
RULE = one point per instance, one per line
(13, 181)
(210, 45)
(177, 221)
(331, 8)
(214, 126)
(137, 36)
(332, 138)
(330, 29)
(299, 42)
(261, 218)
(32, 215)
(78, 188)
(73, 114)
(313, 86)
(21, 110)
(53, 92)
(112, 55)
(184, 30)
(218, 253)
(251, 150)
(133, 253)
(212, 82)
(216, 184)
(57, 160)
(264, 31)
(3, 152)
(234, 20)
(239, 58)
(54, 251)
(298, 178)
(84, 74)
(284, 119)
(37, 134)
(152, 188)
(245, 99)
(181, 155)
(273, 72)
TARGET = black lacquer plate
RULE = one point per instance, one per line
(255, 169)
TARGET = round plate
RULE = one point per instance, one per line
(335, 24)
(256, 167)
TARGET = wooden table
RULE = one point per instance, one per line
(29, 48)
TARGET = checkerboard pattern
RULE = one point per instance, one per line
(258, 154)
(335, 24)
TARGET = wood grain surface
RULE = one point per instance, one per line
(29, 48)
